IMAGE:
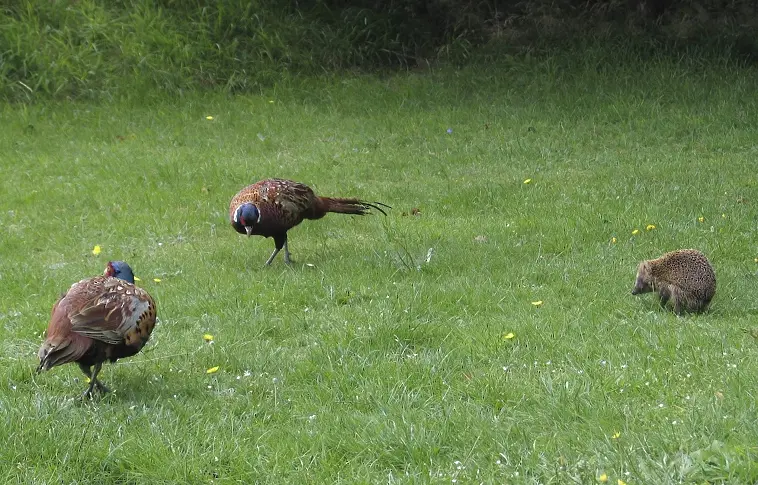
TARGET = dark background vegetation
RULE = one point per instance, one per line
(104, 49)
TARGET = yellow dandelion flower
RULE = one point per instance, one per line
(509, 336)
(157, 280)
(528, 181)
(723, 216)
(650, 227)
(97, 250)
(209, 118)
(602, 478)
(212, 370)
(137, 279)
(635, 232)
(537, 303)
(613, 240)
(701, 219)
(208, 337)
(620, 482)
(616, 435)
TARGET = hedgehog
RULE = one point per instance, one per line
(684, 277)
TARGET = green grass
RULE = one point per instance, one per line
(368, 361)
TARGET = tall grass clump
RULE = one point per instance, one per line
(89, 48)
(95, 49)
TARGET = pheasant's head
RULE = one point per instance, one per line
(120, 270)
(247, 216)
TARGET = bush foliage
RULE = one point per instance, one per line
(94, 48)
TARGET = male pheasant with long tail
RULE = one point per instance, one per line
(272, 207)
(98, 319)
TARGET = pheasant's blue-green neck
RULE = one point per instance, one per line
(120, 270)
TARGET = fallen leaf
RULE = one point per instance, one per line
(212, 370)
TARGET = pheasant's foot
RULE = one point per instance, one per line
(87, 394)
(102, 387)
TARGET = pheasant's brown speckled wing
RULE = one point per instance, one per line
(113, 311)
(290, 199)
(294, 199)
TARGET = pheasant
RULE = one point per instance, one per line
(98, 319)
(272, 207)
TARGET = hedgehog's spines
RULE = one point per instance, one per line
(683, 278)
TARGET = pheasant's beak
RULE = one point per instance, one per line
(249, 230)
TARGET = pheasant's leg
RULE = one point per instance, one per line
(100, 386)
(93, 380)
(280, 240)
(88, 373)
(286, 252)
(273, 255)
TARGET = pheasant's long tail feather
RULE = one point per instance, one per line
(351, 206)
(61, 351)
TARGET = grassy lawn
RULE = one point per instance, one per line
(405, 349)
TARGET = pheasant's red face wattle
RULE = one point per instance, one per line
(242, 221)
